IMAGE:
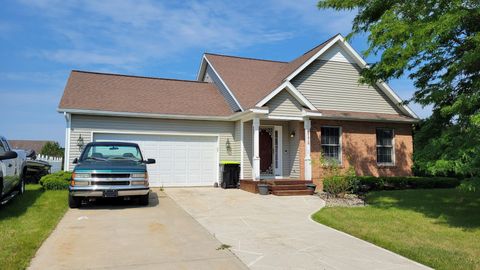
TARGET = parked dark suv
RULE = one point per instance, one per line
(110, 169)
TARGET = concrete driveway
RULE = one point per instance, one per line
(270, 232)
(161, 236)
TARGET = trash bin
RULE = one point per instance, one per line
(230, 172)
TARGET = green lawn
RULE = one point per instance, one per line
(25, 222)
(439, 227)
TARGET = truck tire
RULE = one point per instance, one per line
(21, 186)
(74, 202)
(144, 200)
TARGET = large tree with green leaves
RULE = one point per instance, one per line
(437, 43)
(52, 149)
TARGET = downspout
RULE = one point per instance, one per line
(66, 158)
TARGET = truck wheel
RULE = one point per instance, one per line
(74, 202)
(21, 187)
(144, 199)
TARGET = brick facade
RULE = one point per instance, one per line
(358, 144)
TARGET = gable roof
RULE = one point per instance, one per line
(252, 79)
(258, 79)
(135, 94)
(250, 82)
(248, 79)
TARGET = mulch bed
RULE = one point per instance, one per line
(350, 200)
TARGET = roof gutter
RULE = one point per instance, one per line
(341, 118)
(232, 117)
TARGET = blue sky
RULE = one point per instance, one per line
(42, 41)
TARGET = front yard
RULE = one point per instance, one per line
(438, 227)
(26, 222)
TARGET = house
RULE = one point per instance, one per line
(274, 118)
(28, 144)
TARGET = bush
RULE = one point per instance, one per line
(470, 185)
(368, 183)
(337, 185)
(338, 182)
(56, 181)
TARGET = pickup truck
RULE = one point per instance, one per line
(109, 169)
(13, 168)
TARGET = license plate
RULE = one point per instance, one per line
(110, 193)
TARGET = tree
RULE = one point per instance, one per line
(437, 43)
(52, 149)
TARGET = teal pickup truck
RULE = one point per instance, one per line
(109, 170)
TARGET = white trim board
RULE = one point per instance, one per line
(224, 84)
(292, 90)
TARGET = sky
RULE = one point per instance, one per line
(42, 41)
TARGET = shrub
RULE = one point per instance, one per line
(337, 185)
(338, 182)
(368, 183)
(56, 181)
(470, 184)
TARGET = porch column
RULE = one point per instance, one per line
(256, 148)
(308, 161)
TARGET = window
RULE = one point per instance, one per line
(330, 140)
(112, 152)
(385, 152)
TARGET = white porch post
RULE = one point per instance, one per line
(256, 148)
(308, 160)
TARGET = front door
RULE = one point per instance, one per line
(266, 151)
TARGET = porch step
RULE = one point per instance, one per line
(292, 192)
(287, 187)
(288, 182)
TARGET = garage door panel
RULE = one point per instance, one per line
(180, 160)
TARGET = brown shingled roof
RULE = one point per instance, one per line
(28, 144)
(122, 93)
(251, 80)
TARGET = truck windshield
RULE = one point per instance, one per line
(112, 152)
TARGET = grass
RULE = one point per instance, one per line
(26, 221)
(438, 227)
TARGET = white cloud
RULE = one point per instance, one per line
(124, 34)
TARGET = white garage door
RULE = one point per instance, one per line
(180, 160)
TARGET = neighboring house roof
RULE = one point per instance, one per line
(134, 94)
(28, 144)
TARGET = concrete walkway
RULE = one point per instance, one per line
(270, 232)
(161, 236)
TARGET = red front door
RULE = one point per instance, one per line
(266, 151)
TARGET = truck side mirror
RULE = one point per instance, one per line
(150, 161)
(75, 161)
(8, 155)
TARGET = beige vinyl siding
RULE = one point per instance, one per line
(84, 125)
(332, 85)
(338, 54)
(247, 149)
(235, 144)
(294, 149)
(284, 104)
